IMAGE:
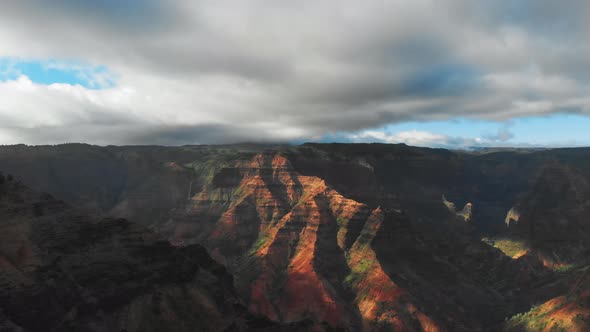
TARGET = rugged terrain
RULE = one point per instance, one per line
(353, 236)
(63, 271)
(567, 312)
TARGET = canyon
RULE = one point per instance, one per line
(354, 237)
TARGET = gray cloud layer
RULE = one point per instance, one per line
(224, 71)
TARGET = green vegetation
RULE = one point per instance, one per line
(306, 195)
(358, 272)
(260, 201)
(537, 320)
(363, 242)
(213, 161)
(207, 169)
(217, 195)
(564, 268)
(510, 247)
(238, 192)
(261, 242)
(531, 320)
(564, 313)
(341, 221)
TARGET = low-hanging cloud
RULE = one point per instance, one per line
(224, 71)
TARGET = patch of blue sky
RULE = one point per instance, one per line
(557, 130)
(56, 71)
(561, 129)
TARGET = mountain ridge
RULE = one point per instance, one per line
(314, 231)
(61, 270)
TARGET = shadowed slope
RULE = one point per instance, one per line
(63, 271)
(298, 226)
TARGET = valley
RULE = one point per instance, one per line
(357, 237)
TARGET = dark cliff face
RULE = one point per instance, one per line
(63, 271)
(361, 237)
(547, 190)
(554, 215)
(147, 182)
(414, 179)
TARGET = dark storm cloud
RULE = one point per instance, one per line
(121, 134)
(200, 134)
(126, 13)
(207, 71)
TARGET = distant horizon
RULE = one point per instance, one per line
(280, 144)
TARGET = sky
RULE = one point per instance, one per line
(438, 73)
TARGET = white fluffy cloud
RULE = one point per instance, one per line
(411, 137)
(422, 138)
(225, 71)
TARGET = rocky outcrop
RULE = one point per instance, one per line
(384, 305)
(512, 217)
(301, 250)
(466, 214)
(345, 235)
(63, 271)
(283, 235)
(293, 243)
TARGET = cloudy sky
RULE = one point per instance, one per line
(456, 73)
